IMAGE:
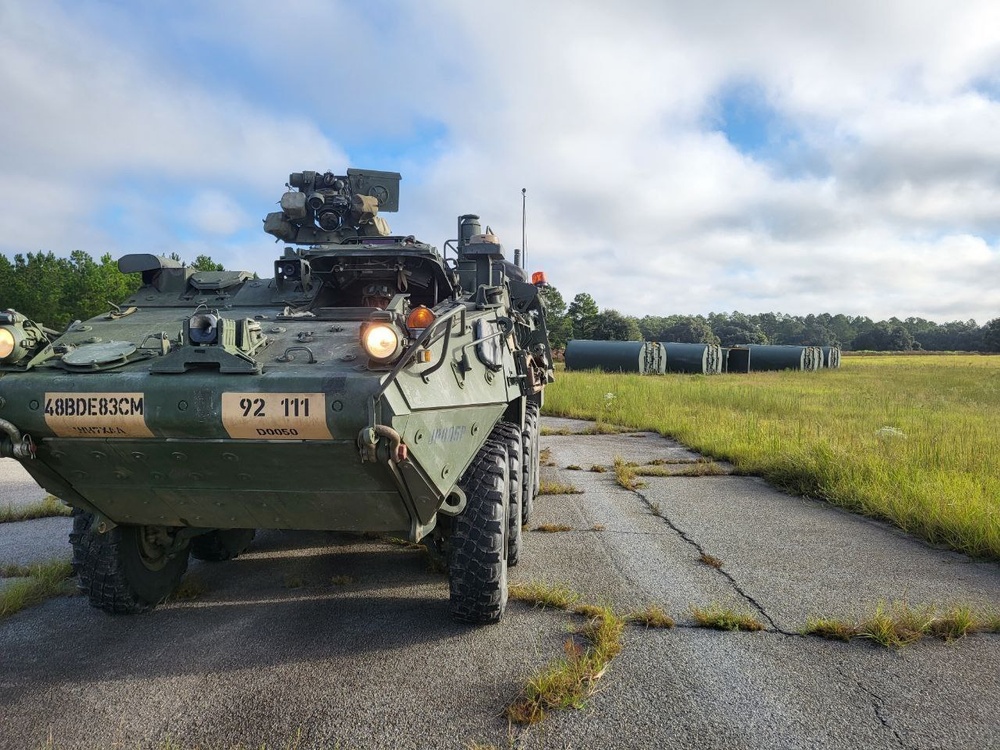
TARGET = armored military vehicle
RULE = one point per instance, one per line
(374, 384)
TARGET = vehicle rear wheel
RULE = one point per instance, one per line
(531, 462)
(477, 550)
(222, 544)
(510, 435)
(127, 570)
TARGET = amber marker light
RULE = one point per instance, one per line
(538, 278)
(420, 318)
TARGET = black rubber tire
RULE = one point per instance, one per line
(512, 438)
(477, 554)
(113, 573)
(531, 460)
(222, 544)
(82, 521)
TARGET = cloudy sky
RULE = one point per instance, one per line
(679, 157)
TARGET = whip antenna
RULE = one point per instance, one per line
(524, 236)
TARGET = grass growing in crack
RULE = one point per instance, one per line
(569, 681)
(956, 623)
(12, 570)
(43, 580)
(552, 528)
(573, 467)
(831, 629)
(652, 617)
(688, 469)
(990, 622)
(894, 629)
(718, 617)
(625, 474)
(604, 633)
(598, 527)
(588, 610)
(548, 487)
(543, 595)
(45, 508)
(701, 469)
(655, 508)
(900, 625)
(598, 469)
(710, 561)
(545, 457)
(598, 428)
(553, 431)
(602, 428)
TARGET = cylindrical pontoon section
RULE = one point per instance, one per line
(773, 357)
(831, 357)
(697, 358)
(644, 357)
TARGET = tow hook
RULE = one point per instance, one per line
(21, 447)
(368, 443)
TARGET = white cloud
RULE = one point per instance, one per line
(89, 122)
(214, 212)
(888, 203)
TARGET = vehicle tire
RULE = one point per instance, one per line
(510, 435)
(531, 461)
(222, 544)
(82, 521)
(122, 571)
(477, 550)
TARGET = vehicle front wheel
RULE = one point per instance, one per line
(129, 569)
(477, 550)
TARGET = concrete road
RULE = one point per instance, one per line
(327, 641)
(17, 488)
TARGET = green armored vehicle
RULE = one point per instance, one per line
(373, 385)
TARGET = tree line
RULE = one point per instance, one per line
(56, 291)
(583, 319)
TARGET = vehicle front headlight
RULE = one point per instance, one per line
(381, 341)
(11, 348)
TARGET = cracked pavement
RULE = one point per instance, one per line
(784, 560)
(375, 662)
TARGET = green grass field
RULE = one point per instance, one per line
(912, 440)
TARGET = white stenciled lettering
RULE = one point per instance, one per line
(448, 434)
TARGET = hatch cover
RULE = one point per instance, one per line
(103, 353)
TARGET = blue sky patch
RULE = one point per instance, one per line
(742, 112)
(423, 143)
(747, 120)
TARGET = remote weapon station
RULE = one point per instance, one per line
(373, 385)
